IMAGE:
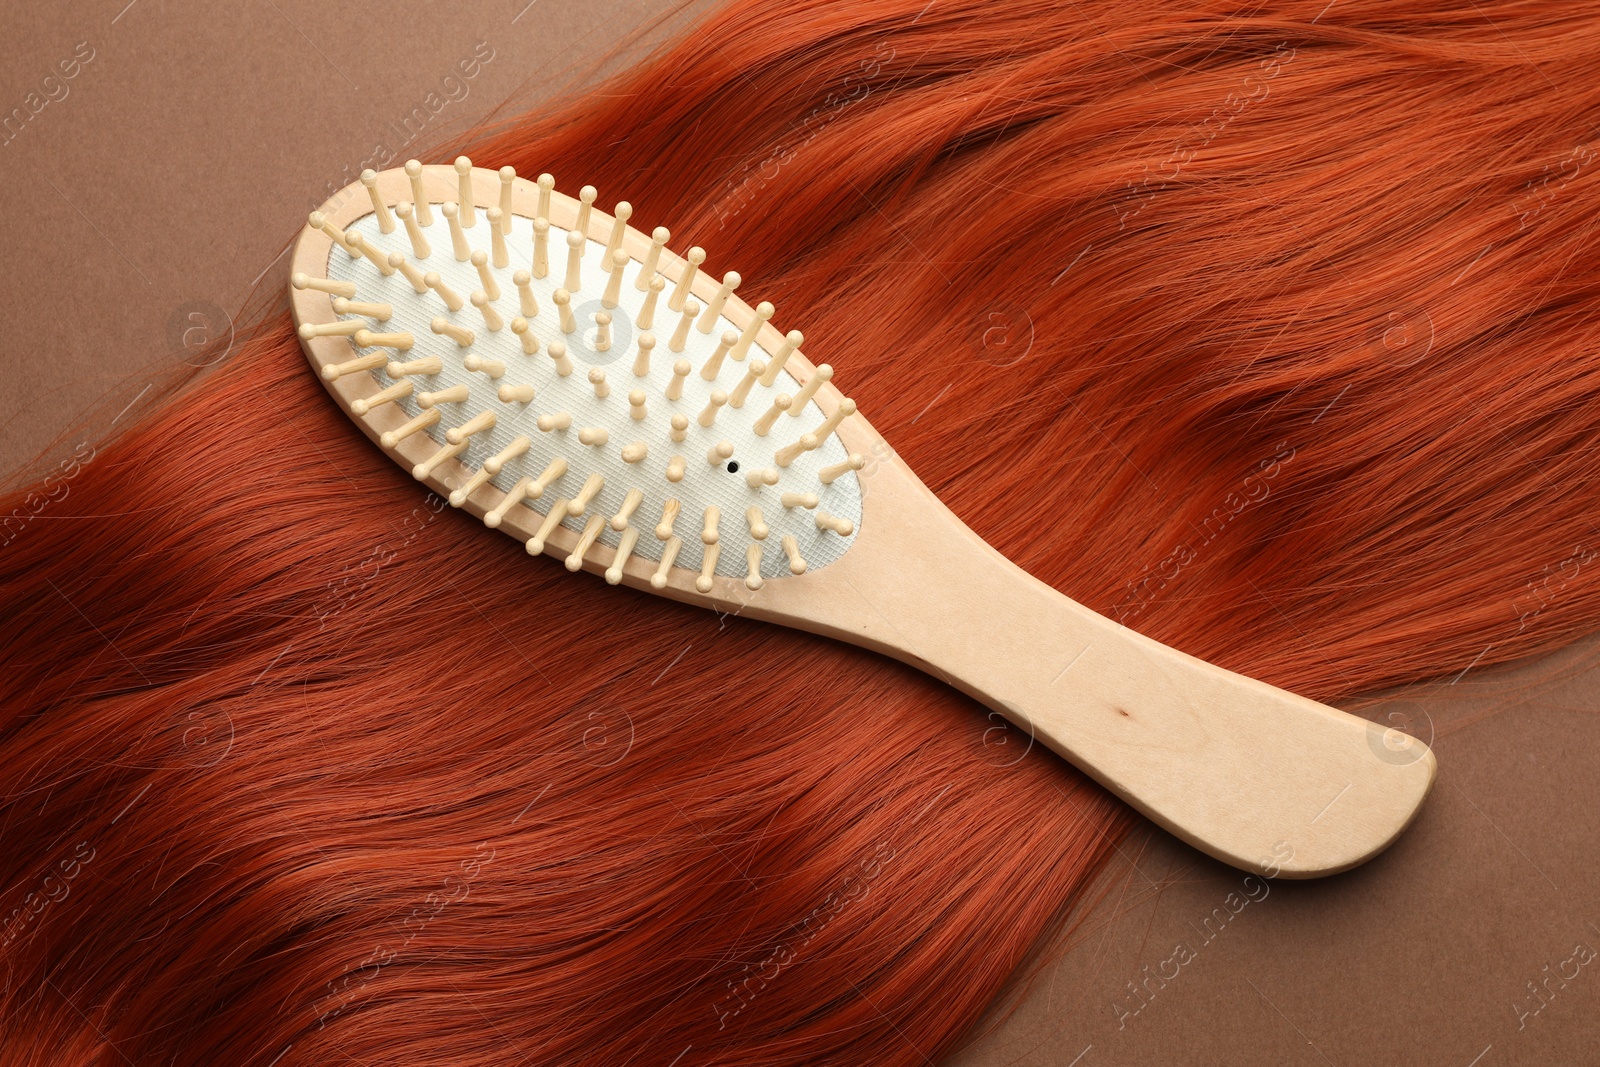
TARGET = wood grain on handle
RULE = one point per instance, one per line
(1258, 777)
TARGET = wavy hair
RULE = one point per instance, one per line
(1268, 330)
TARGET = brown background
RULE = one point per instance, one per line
(166, 178)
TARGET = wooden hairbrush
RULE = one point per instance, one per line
(580, 387)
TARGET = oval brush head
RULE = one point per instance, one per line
(545, 366)
(582, 388)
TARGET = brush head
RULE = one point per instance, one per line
(583, 389)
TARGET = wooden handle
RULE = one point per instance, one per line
(1258, 777)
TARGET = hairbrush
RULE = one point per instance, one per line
(576, 384)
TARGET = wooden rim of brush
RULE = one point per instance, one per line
(353, 202)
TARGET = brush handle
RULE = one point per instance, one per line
(1258, 777)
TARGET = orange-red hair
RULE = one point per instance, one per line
(1269, 331)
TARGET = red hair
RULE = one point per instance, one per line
(1272, 334)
